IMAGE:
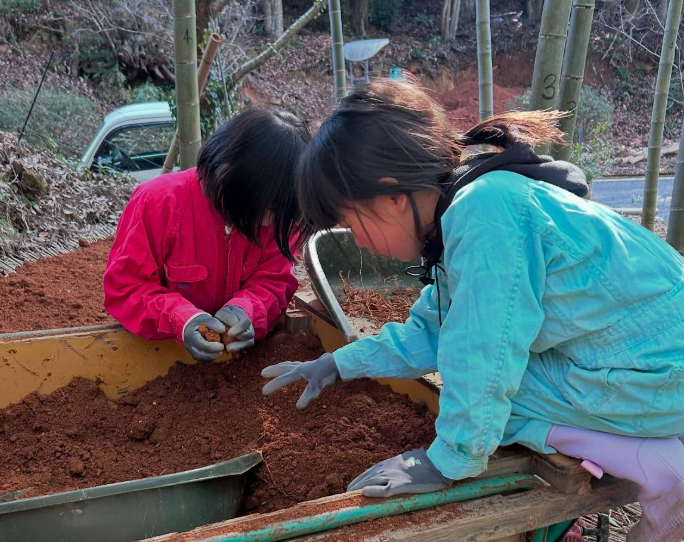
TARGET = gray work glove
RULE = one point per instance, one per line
(239, 327)
(320, 373)
(199, 348)
(410, 472)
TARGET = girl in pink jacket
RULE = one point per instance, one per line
(216, 240)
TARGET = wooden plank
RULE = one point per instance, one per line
(345, 535)
(297, 320)
(562, 472)
(507, 461)
(495, 518)
(308, 301)
(514, 460)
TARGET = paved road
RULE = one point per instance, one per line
(629, 192)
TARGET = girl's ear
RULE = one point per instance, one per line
(400, 202)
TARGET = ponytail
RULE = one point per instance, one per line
(507, 129)
(394, 129)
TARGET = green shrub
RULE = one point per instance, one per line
(384, 13)
(592, 155)
(61, 120)
(595, 113)
(148, 92)
(11, 7)
(591, 148)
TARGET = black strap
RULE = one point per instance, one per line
(518, 158)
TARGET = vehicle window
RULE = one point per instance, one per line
(135, 148)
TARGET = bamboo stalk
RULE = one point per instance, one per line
(484, 60)
(454, 18)
(337, 49)
(573, 71)
(187, 94)
(444, 22)
(450, 15)
(675, 227)
(655, 139)
(202, 75)
(549, 59)
(248, 66)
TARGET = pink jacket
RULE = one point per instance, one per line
(173, 258)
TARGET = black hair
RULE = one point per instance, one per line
(247, 169)
(389, 128)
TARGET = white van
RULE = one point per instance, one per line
(133, 139)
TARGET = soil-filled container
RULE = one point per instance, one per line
(132, 510)
(120, 362)
(333, 260)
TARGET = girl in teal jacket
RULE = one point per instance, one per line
(553, 322)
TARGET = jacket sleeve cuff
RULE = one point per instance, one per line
(454, 465)
(349, 363)
(182, 318)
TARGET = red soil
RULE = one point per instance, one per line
(64, 291)
(201, 414)
(462, 103)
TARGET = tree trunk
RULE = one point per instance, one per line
(675, 227)
(532, 9)
(360, 15)
(549, 59)
(468, 9)
(277, 13)
(203, 16)
(273, 18)
(662, 10)
(573, 71)
(655, 140)
(187, 95)
(268, 17)
(339, 73)
(451, 11)
(75, 61)
(484, 59)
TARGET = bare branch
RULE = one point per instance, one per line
(281, 42)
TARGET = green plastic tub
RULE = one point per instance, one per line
(132, 510)
(330, 253)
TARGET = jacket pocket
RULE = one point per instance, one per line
(182, 277)
(665, 416)
(591, 390)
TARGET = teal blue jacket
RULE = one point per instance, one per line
(537, 279)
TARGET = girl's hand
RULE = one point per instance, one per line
(410, 472)
(240, 328)
(319, 373)
(199, 348)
